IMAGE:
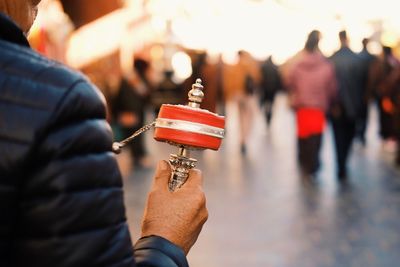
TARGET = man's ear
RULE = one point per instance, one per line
(22, 12)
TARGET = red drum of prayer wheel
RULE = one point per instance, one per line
(188, 126)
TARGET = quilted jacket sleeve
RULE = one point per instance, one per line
(155, 251)
(72, 209)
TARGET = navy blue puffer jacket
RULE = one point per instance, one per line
(61, 198)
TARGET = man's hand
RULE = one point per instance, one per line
(177, 216)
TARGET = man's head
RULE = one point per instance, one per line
(386, 50)
(365, 42)
(343, 38)
(312, 41)
(23, 12)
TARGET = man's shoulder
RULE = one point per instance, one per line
(28, 65)
(37, 83)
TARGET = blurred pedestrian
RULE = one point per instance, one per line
(396, 102)
(271, 83)
(129, 109)
(384, 80)
(210, 74)
(61, 196)
(240, 81)
(312, 88)
(368, 60)
(348, 109)
(167, 91)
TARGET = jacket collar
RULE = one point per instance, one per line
(10, 32)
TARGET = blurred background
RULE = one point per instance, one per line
(264, 210)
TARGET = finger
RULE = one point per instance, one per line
(195, 179)
(162, 174)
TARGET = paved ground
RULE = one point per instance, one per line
(263, 214)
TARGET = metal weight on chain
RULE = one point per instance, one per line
(117, 146)
(189, 128)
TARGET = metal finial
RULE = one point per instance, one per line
(198, 82)
(196, 95)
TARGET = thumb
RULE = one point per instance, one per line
(195, 179)
(162, 175)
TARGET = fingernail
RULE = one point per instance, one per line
(162, 165)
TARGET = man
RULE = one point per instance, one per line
(271, 83)
(129, 109)
(368, 60)
(61, 198)
(385, 80)
(349, 74)
(240, 81)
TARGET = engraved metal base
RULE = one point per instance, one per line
(181, 165)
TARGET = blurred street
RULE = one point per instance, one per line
(300, 100)
(261, 213)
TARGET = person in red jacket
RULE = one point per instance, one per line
(61, 196)
(312, 87)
